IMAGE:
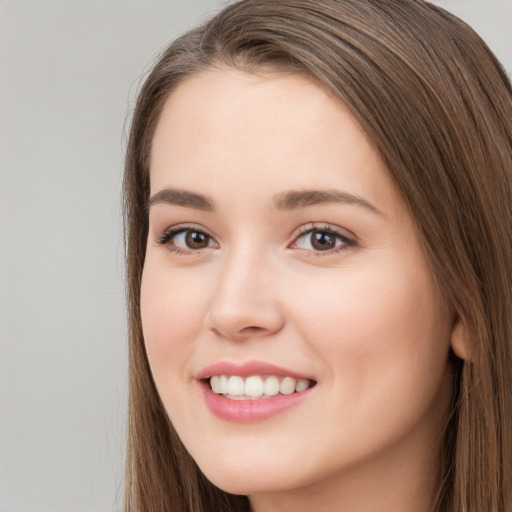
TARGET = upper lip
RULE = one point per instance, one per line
(247, 369)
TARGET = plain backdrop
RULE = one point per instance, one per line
(69, 73)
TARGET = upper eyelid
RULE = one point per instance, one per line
(317, 226)
(164, 236)
(175, 228)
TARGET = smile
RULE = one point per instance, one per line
(254, 387)
(252, 391)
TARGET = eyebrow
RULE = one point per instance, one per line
(291, 200)
(183, 198)
(301, 199)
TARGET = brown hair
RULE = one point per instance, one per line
(438, 106)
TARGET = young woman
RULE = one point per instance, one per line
(319, 237)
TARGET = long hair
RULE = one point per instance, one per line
(438, 107)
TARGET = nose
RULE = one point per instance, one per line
(245, 305)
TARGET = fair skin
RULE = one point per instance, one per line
(331, 287)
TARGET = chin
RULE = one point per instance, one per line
(254, 478)
(248, 484)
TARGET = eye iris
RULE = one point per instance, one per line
(196, 240)
(322, 241)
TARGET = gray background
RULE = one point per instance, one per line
(69, 71)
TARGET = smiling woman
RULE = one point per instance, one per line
(319, 269)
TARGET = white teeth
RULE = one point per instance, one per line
(255, 387)
(287, 386)
(271, 387)
(219, 384)
(223, 384)
(302, 385)
(214, 383)
(236, 386)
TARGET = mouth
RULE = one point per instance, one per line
(252, 391)
(256, 387)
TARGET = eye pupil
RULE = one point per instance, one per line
(322, 241)
(197, 240)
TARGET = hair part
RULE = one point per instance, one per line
(438, 107)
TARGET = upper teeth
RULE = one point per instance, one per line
(256, 386)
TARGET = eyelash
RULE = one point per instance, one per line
(329, 230)
(173, 231)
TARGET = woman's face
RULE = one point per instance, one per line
(280, 257)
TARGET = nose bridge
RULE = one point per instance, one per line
(245, 303)
(244, 269)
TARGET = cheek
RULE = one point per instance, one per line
(172, 314)
(381, 323)
(385, 339)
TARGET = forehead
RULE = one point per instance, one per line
(228, 128)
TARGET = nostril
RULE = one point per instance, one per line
(252, 329)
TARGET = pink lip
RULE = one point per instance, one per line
(247, 411)
(247, 369)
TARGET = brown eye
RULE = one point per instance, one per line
(322, 241)
(186, 239)
(196, 240)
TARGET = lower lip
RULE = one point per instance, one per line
(247, 411)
